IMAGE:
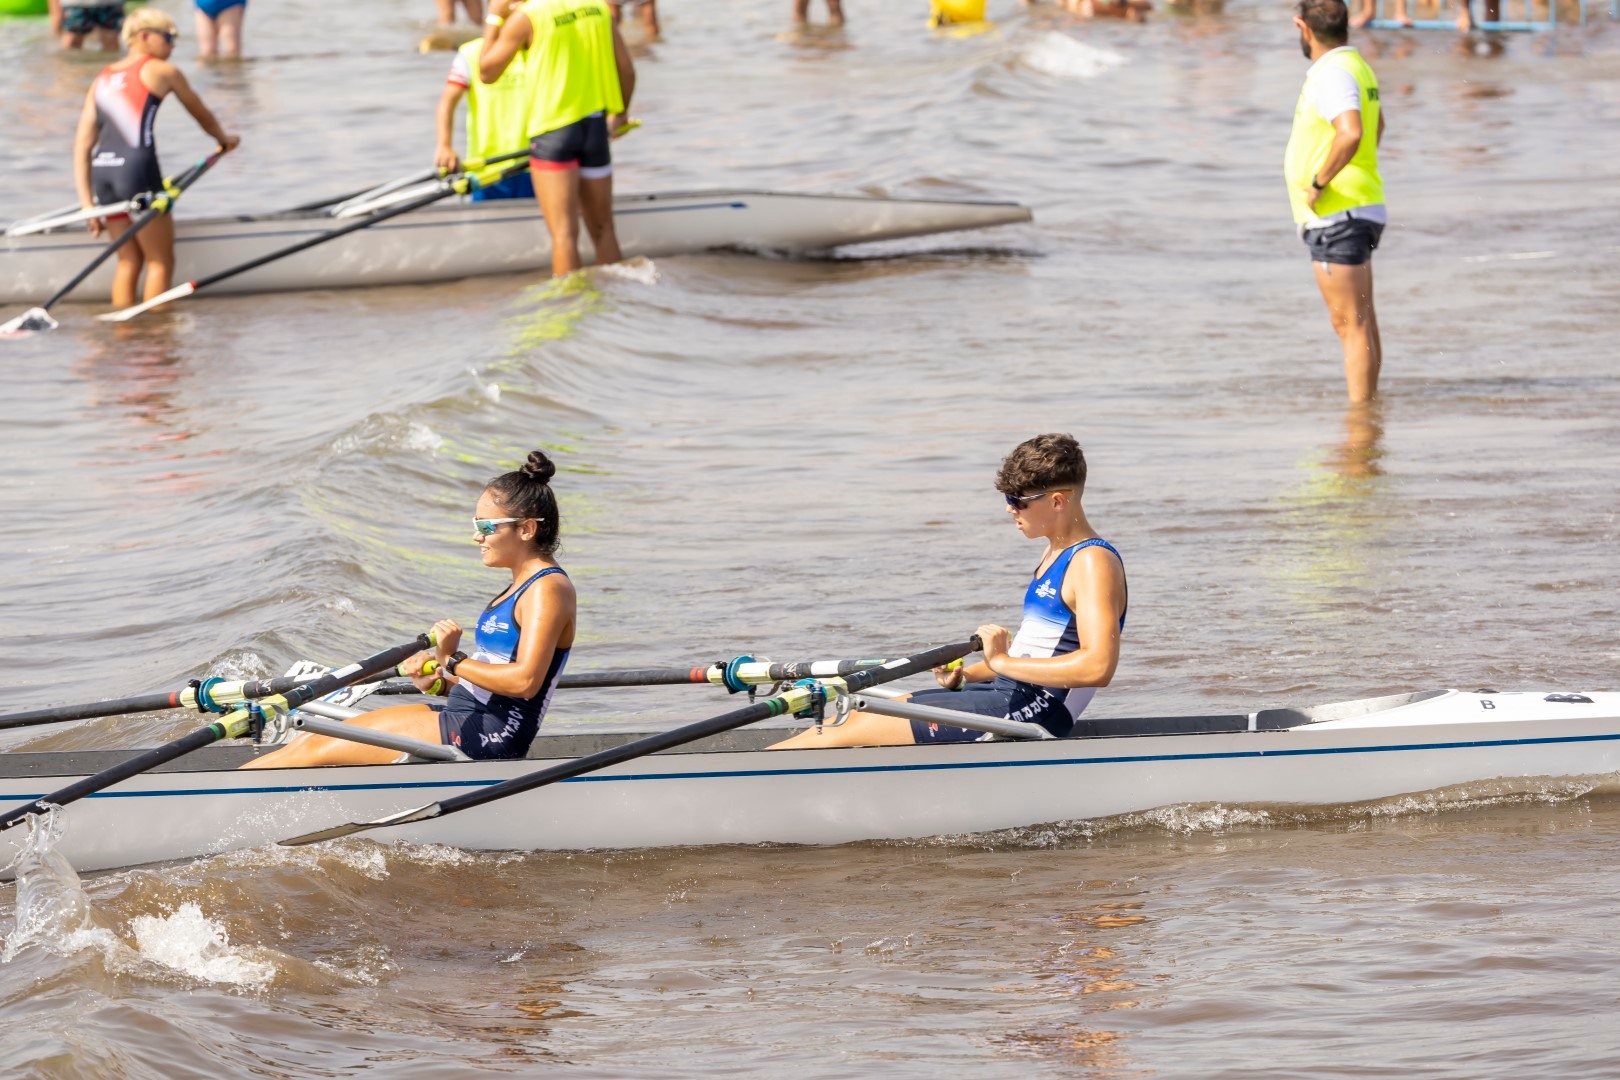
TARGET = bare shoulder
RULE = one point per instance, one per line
(161, 77)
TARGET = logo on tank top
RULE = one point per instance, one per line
(1046, 592)
(118, 80)
(493, 625)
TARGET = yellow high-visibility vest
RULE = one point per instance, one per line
(575, 72)
(1358, 183)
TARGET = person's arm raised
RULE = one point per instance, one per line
(502, 41)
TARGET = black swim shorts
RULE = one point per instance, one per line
(1350, 242)
(582, 145)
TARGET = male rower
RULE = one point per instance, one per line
(582, 87)
(497, 120)
(1068, 643)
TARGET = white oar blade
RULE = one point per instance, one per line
(421, 813)
(125, 314)
(29, 322)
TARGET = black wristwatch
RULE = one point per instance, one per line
(1314, 184)
(455, 660)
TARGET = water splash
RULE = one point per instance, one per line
(53, 912)
(51, 904)
(187, 941)
(490, 390)
(639, 269)
(1063, 57)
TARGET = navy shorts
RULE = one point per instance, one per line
(982, 699)
(503, 728)
(517, 186)
(82, 20)
(582, 145)
(1350, 242)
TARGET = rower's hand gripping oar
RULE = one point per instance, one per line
(806, 698)
(458, 186)
(40, 318)
(233, 725)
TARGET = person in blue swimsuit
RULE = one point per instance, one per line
(219, 27)
(498, 694)
(1074, 613)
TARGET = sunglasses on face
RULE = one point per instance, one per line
(170, 36)
(1020, 502)
(487, 526)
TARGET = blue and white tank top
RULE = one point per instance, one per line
(1049, 629)
(495, 641)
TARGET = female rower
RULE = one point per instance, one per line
(498, 695)
(1068, 643)
(115, 153)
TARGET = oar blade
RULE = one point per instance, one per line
(126, 314)
(31, 321)
(421, 813)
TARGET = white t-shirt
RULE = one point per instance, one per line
(461, 72)
(1331, 91)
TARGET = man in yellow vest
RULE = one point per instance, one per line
(497, 120)
(583, 80)
(1331, 167)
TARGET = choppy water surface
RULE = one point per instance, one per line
(792, 458)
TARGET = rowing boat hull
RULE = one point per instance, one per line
(467, 239)
(842, 795)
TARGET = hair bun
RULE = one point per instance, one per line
(539, 467)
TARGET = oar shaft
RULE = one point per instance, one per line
(791, 701)
(115, 707)
(751, 673)
(216, 694)
(344, 230)
(230, 726)
(160, 206)
(122, 771)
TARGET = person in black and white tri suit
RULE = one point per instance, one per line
(1074, 613)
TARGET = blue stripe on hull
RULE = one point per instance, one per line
(937, 766)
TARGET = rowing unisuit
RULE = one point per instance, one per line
(1049, 629)
(483, 724)
(125, 161)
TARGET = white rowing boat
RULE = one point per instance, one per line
(730, 790)
(468, 239)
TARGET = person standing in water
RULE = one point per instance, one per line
(115, 151)
(835, 12)
(219, 28)
(497, 696)
(1067, 646)
(1334, 188)
(583, 83)
(72, 23)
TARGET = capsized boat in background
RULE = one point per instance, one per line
(730, 790)
(468, 239)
